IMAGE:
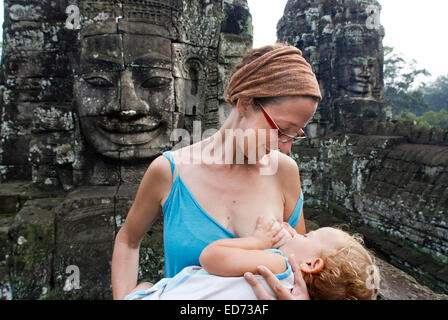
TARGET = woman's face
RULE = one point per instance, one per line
(290, 114)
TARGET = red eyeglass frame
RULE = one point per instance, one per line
(302, 134)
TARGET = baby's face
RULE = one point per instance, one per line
(311, 244)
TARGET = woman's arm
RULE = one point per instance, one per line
(234, 257)
(144, 211)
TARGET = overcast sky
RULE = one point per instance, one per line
(417, 29)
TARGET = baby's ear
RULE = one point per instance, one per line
(312, 266)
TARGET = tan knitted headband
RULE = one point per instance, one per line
(281, 72)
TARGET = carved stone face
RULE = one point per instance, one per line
(125, 94)
(358, 62)
(357, 76)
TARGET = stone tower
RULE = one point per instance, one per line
(342, 40)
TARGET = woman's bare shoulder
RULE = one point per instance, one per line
(158, 177)
(288, 175)
(287, 165)
(160, 167)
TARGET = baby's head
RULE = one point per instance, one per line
(334, 265)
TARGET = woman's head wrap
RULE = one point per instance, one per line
(280, 72)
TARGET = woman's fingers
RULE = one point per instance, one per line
(257, 287)
(300, 290)
(281, 292)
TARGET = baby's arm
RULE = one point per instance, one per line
(234, 257)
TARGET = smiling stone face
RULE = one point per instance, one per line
(357, 76)
(358, 61)
(125, 92)
(91, 102)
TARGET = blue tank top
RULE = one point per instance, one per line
(188, 228)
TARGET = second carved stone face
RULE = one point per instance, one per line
(125, 94)
(358, 62)
(357, 76)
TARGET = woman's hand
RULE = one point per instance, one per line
(298, 292)
(269, 234)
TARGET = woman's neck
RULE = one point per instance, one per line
(223, 146)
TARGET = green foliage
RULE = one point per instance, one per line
(399, 73)
(426, 104)
(399, 81)
(429, 119)
(436, 94)
(405, 101)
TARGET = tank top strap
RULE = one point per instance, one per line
(170, 157)
(295, 216)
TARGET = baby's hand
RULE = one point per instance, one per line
(288, 233)
(271, 234)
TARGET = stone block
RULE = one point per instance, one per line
(10, 173)
(201, 23)
(36, 10)
(91, 261)
(443, 275)
(85, 231)
(9, 199)
(232, 46)
(34, 36)
(151, 256)
(15, 149)
(389, 129)
(397, 285)
(35, 64)
(103, 171)
(52, 148)
(370, 127)
(47, 118)
(403, 128)
(5, 251)
(31, 236)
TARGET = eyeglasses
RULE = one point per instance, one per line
(299, 136)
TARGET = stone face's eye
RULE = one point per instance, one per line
(156, 82)
(99, 82)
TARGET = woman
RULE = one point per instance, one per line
(272, 88)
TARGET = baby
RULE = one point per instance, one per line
(334, 265)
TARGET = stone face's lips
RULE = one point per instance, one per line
(132, 138)
(128, 128)
(362, 79)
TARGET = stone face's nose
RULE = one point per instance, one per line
(131, 105)
(366, 71)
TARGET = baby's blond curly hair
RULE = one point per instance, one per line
(347, 272)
